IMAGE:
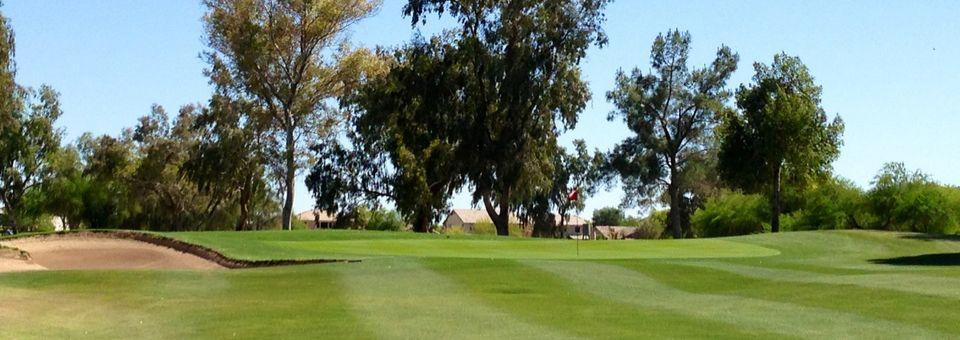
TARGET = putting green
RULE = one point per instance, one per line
(552, 249)
(839, 284)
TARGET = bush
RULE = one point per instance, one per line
(609, 216)
(905, 201)
(731, 214)
(649, 227)
(835, 204)
(488, 228)
(389, 220)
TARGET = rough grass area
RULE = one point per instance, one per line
(794, 285)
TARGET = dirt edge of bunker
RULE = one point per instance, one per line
(200, 251)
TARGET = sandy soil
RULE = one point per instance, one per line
(96, 253)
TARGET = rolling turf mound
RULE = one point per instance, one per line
(823, 284)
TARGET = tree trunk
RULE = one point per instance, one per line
(674, 191)
(775, 219)
(421, 223)
(500, 219)
(244, 215)
(289, 181)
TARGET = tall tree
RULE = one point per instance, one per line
(108, 164)
(524, 86)
(672, 111)
(404, 138)
(781, 132)
(277, 53)
(27, 135)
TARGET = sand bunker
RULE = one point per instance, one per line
(84, 252)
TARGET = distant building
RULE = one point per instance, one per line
(575, 226)
(467, 219)
(317, 218)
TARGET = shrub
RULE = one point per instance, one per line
(609, 216)
(835, 204)
(649, 227)
(488, 228)
(730, 214)
(381, 219)
(910, 201)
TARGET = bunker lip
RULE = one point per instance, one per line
(202, 252)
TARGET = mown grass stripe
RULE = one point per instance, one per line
(541, 297)
(904, 282)
(896, 306)
(400, 298)
(749, 313)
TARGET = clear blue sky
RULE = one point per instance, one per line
(890, 69)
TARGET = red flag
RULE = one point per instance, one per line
(573, 196)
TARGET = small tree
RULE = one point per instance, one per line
(672, 111)
(277, 54)
(780, 132)
(609, 216)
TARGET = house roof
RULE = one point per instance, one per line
(477, 215)
(571, 220)
(310, 217)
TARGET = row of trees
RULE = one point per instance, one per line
(274, 67)
(899, 200)
(478, 107)
(481, 106)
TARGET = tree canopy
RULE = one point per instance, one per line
(780, 132)
(404, 138)
(523, 85)
(28, 138)
(290, 58)
(672, 112)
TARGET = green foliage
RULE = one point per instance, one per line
(578, 170)
(228, 163)
(609, 216)
(486, 227)
(672, 111)
(781, 132)
(281, 56)
(520, 85)
(730, 214)
(651, 226)
(403, 139)
(27, 137)
(909, 201)
(833, 204)
(385, 220)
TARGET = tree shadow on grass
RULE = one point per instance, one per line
(931, 237)
(942, 259)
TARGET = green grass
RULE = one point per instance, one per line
(838, 284)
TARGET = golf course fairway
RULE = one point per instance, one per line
(826, 284)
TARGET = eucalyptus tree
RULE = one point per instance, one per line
(27, 136)
(672, 111)
(781, 132)
(523, 87)
(404, 138)
(227, 164)
(291, 58)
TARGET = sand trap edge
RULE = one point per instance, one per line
(178, 245)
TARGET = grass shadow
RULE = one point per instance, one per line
(932, 237)
(942, 259)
